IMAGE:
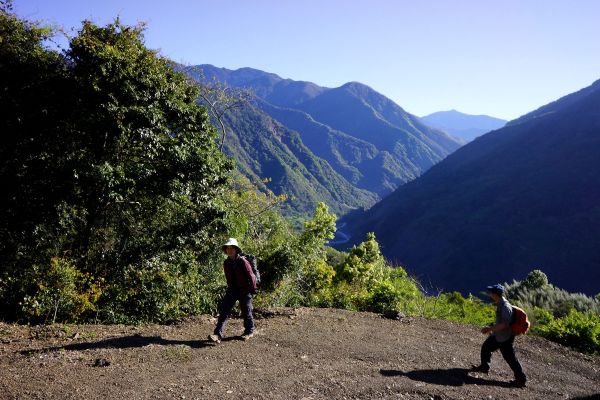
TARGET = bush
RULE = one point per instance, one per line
(164, 288)
(536, 291)
(398, 294)
(364, 263)
(60, 293)
(578, 330)
(453, 306)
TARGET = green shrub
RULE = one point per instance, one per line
(363, 263)
(536, 291)
(392, 295)
(578, 330)
(539, 318)
(453, 306)
(285, 293)
(60, 293)
(164, 288)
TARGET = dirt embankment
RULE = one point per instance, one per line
(296, 354)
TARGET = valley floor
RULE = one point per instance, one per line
(296, 354)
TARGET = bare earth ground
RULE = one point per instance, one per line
(296, 354)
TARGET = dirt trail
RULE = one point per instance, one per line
(296, 354)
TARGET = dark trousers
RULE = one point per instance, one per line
(508, 352)
(227, 304)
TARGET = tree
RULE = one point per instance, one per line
(536, 279)
(111, 161)
(147, 154)
(364, 262)
(318, 230)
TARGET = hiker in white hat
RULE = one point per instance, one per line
(241, 284)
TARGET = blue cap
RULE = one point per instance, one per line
(497, 288)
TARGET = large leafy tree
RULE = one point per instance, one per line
(151, 169)
(108, 159)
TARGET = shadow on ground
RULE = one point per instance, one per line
(123, 342)
(446, 377)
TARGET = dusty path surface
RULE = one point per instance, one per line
(296, 354)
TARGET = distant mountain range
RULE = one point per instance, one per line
(264, 148)
(348, 146)
(522, 197)
(463, 126)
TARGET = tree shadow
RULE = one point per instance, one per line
(446, 377)
(124, 342)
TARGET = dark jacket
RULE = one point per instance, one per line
(239, 275)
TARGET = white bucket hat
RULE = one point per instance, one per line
(232, 242)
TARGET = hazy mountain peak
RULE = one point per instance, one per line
(354, 85)
(461, 125)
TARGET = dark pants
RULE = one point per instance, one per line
(508, 352)
(227, 305)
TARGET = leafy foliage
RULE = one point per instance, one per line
(453, 306)
(60, 292)
(110, 166)
(578, 330)
(572, 319)
(536, 291)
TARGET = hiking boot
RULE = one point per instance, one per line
(480, 369)
(215, 338)
(517, 384)
(247, 335)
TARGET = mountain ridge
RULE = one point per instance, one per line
(263, 148)
(376, 146)
(520, 197)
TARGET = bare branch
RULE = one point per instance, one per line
(219, 99)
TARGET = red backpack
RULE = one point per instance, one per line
(520, 323)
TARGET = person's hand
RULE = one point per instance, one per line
(486, 330)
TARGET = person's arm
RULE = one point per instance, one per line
(494, 328)
(250, 274)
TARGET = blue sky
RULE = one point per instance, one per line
(501, 58)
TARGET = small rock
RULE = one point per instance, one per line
(393, 314)
(101, 362)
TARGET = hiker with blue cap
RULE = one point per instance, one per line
(241, 285)
(501, 337)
